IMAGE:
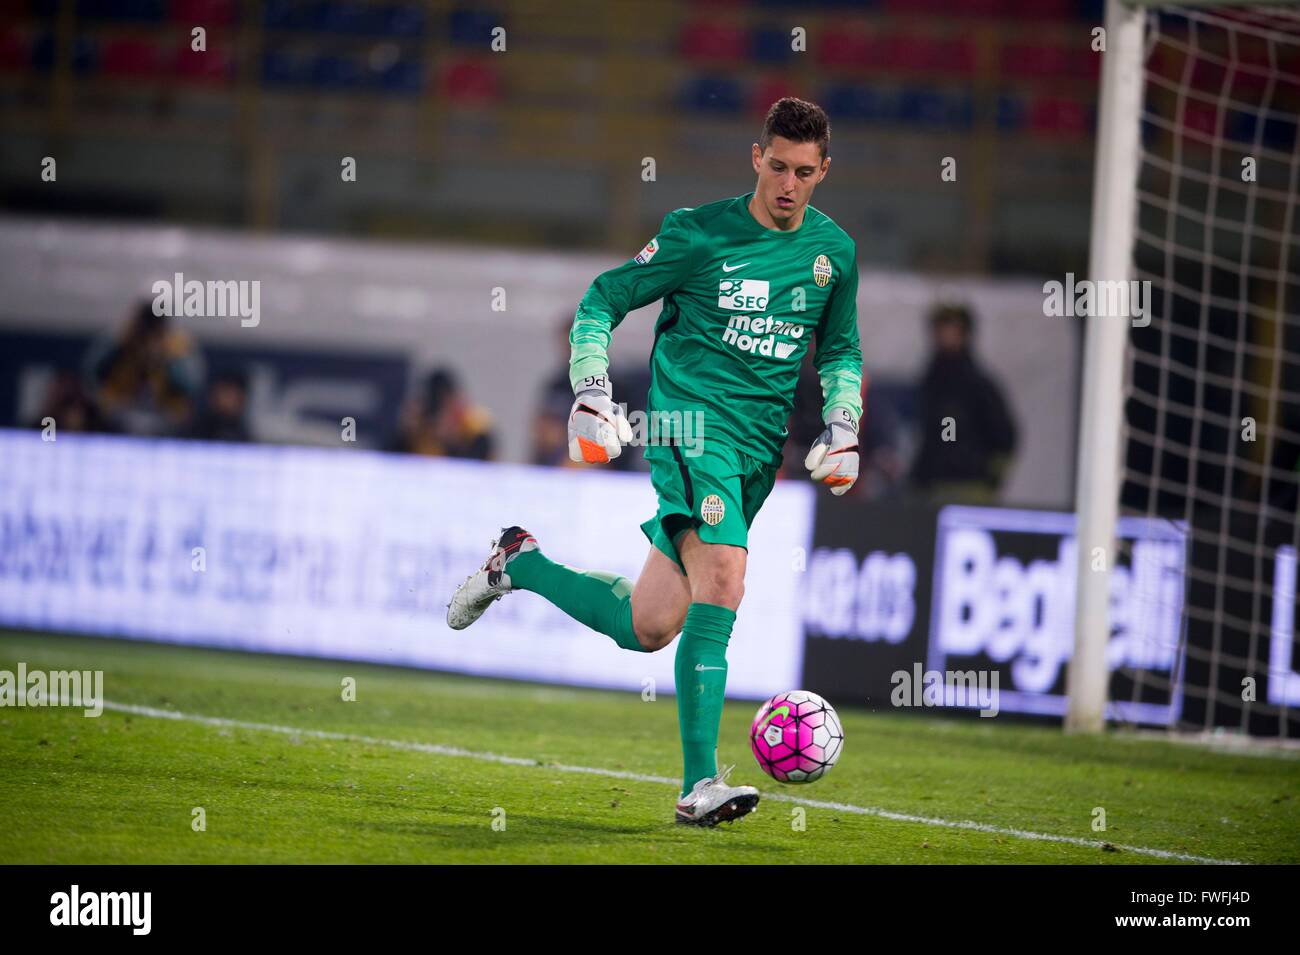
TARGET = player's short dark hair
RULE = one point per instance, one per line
(798, 121)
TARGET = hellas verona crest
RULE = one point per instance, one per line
(822, 271)
(712, 509)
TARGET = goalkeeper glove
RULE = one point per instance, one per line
(598, 429)
(833, 458)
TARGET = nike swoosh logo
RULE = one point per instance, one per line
(783, 711)
(733, 268)
(701, 666)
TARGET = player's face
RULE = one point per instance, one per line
(788, 172)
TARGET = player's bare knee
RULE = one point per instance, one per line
(656, 639)
(654, 634)
(724, 586)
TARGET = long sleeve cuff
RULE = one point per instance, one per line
(842, 388)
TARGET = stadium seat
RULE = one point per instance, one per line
(983, 8)
(1090, 11)
(862, 103)
(708, 94)
(1035, 60)
(473, 27)
(284, 15)
(334, 72)
(348, 18)
(800, 5)
(1201, 119)
(912, 8)
(768, 91)
(850, 47)
(470, 81)
(933, 109)
(912, 53)
(1280, 133)
(1240, 125)
(85, 53)
(1085, 62)
(1209, 77)
(15, 50)
(1012, 112)
(215, 65)
(136, 11)
(1060, 117)
(127, 56)
(399, 20)
(401, 76)
(771, 46)
(283, 69)
(714, 42)
(1028, 10)
(958, 55)
(42, 52)
(207, 13)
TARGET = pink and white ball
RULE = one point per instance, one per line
(796, 737)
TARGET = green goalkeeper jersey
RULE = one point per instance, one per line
(742, 304)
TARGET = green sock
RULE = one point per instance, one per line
(601, 600)
(701, 673)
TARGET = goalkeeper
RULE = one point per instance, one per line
(748, 285)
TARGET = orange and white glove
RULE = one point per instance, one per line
(833, 458)
(598, 428)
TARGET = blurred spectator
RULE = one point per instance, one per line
(444, 423)
(225, 415)
(68, 404)
(970, 466)
(147, 379)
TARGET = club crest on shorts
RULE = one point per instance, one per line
(712, 509)
(822, 271)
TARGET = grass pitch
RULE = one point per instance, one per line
(405, 774)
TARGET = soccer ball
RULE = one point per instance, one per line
(796, 737)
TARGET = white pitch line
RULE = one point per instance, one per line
(440, 750)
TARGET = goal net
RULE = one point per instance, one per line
(1211, 413)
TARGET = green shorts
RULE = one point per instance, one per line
(717, 493)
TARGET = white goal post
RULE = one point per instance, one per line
(1114, 202)
(1195, 194)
